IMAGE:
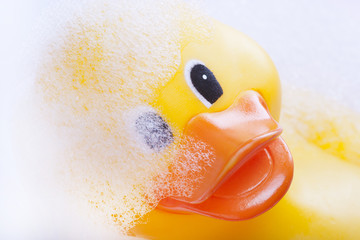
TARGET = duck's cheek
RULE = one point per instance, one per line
(149, 129)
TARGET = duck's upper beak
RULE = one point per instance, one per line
(252, 168)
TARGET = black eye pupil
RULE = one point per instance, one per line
(155, 131)
(205, 83)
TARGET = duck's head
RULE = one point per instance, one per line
(226, 94)
(125, 89)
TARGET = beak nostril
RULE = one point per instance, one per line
(155, 131)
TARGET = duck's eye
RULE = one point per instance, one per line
(155, 131)
(202, 82)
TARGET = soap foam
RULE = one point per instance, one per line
(97, 62)
(321, 121)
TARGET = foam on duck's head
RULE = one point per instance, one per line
(98, 72)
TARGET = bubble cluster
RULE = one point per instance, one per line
(99, 62)
(323, 122)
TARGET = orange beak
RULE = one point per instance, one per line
(252, 169)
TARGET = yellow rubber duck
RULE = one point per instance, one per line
(225, 94)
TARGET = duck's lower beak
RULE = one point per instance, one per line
(252, 168)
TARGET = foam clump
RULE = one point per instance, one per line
(186, 172)
(322, 122)
(99, 62)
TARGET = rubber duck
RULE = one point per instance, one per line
(225, 94)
